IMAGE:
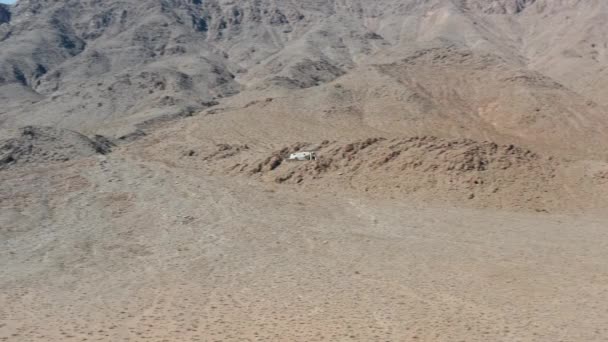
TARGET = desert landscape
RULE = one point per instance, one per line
(459, 192)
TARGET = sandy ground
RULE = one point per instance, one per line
(162, 240)
(120, 248)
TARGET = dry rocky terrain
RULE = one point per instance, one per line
(459, 194)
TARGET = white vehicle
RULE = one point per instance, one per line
(302, 156)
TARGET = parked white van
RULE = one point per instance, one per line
(303, 156)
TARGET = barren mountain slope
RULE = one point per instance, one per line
(427, 169)
(38, 145)
(518, 71)
(448, 92)
(575, 52)
(459, 193)
(145, 245)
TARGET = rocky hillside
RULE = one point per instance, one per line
(430, 169)
(36, 145)
(522, 71)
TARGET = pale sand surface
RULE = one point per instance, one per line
(121, 248)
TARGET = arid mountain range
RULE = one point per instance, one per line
(459, 193)
(531, 72)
